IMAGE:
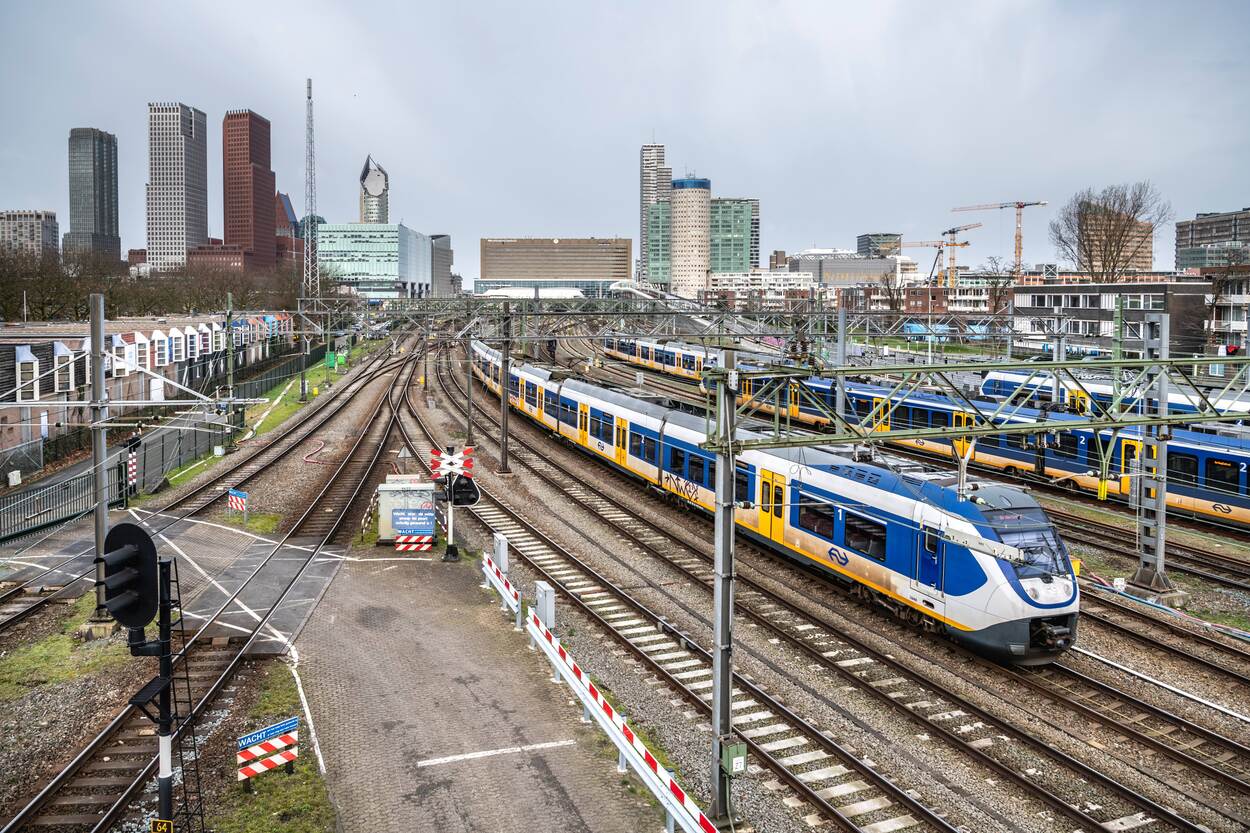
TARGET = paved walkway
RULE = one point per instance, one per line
(433, 715)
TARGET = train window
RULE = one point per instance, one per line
(550, 401)
(635, 444)
(1223, 475)
(779, 500)
(864, 536)
(742, 486)
(930, 542)
(531, 394)
(706, 471)
(816, 516)
(1182, 468)
(687, 362)
(901, 418)
(677, 462)
(1069, 446)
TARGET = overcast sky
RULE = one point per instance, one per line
(510, 119)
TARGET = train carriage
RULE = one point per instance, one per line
(987, 569)
(1207, 471)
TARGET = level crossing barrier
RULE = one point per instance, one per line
(679, 808)
(508, 592)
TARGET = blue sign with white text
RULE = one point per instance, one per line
(268, 732)
(413, 521)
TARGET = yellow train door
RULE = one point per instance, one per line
(1130, 451)
(880, 414)
(794, 400)
(583, 422)
(772, 523)
(538, 400)
(622, 440)
(1078, 401)
(959, 419)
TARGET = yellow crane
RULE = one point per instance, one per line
(1019, 206)
(947, 244)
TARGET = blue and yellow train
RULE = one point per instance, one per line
(986, 568)
(1207, 473)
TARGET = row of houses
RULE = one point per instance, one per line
(45, 369)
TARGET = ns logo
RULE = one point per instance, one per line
(838, 556)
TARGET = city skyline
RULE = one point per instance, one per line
(892, 138)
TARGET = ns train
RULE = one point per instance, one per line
(988, 569)
(1208, 477)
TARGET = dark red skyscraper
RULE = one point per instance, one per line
(248, 186)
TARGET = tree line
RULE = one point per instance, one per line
(48, 287)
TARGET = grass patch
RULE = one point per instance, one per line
(1223, 617)
(297, 803)
(196, 467)
(284, 405)
(262, 523)
(59, 657)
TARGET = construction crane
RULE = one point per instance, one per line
(941, 246)
(952, 247)
(1019, 206)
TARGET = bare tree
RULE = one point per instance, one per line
(891, 289)
(1234, 270)
(1102, 232)
(999, 273)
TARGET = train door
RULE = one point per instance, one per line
(930, 568)
(772, 506)
(622, 440)
(879, 413)
(538, 403)
(959, 419)
(583, 422)
(1130, 451)
(1078, 401)
(794, 400)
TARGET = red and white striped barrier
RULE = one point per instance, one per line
(252, 764)
(414, 543)
(675, 800)
(132, 469)
(508, 592)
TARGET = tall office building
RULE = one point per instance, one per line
(376, 260)
(659, 269)
(589, 265)
(374, 189)
(177, 190)
(1213, 239)
(93, 194)
(755, 233)
(440, 271)
(654, 185)
(879, 244)
(691, 200)
(30, 232)
(248, 188)
(733, 235)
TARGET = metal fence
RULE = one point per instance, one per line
(24, 457)
(32, 510)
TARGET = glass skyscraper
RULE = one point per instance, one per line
(376, 260)
(93, 194)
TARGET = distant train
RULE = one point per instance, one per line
(1041, 386)
(987, 569)
(1207, 473)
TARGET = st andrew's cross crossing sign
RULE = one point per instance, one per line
(447, 463)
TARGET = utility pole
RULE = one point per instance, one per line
(1151, 575)
(229, 343)
(1059, 353)
(99, 448)
(723, 589)
(505, 375)
(468, 388)
(840, 358)
(165, 722)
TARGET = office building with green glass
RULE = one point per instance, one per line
(376, 260)
(733, 232)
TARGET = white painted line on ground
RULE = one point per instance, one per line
(261, 421)
(489, 753)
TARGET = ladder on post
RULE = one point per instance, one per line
(190, 814)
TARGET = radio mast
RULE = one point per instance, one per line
(311, 284)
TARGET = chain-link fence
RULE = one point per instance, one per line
(24, 457)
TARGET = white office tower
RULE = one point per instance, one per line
(374, 188)
(177, 195)
(654, 181)
(691, 235)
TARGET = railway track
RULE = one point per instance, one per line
(938, 709)
(835, 783)
(57, 581)
(94, 791)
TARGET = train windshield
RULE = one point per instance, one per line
(1028, 530)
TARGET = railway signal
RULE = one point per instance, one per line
(131, 594)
